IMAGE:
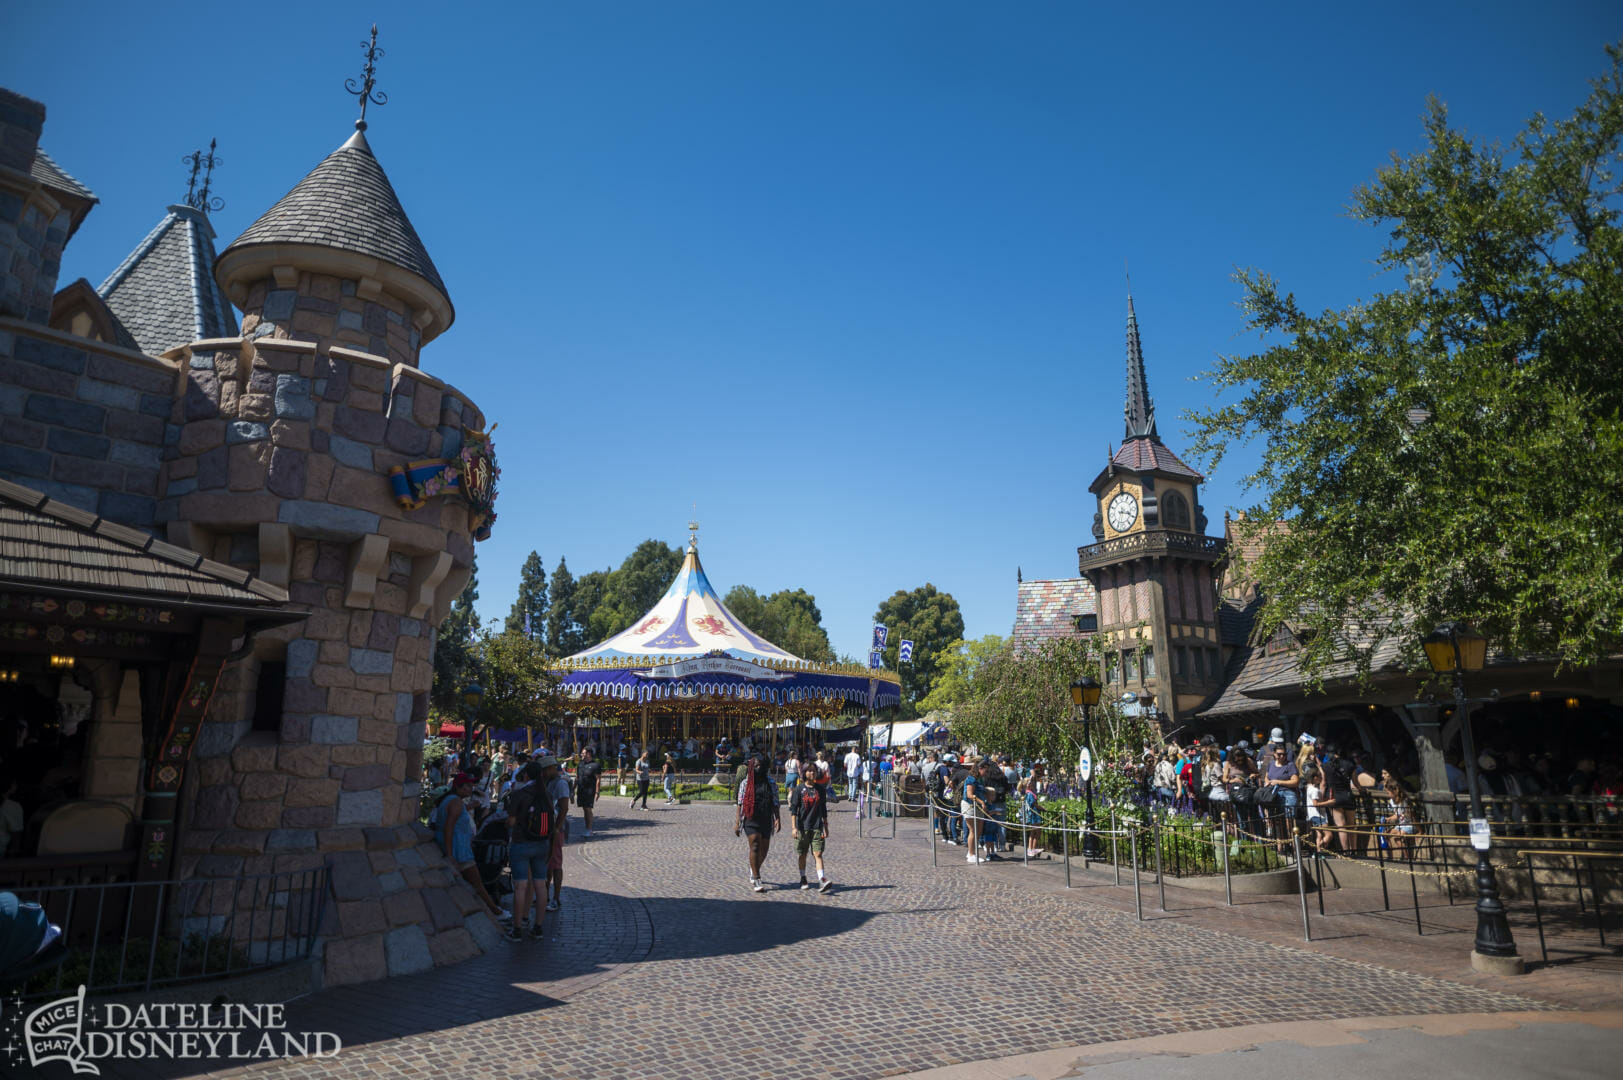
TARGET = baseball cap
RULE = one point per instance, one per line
(544, 759)
(1277, 735)
(462, 778)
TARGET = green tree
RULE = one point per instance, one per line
(531, 604)
(962, 663)
(562, 634)
(455, 654)
(628, 592)
(788, 619)
(583, 605)
(1452, 447)
(520, 691)
(1018, 702)
(931, 620)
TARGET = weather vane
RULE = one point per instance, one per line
(201, 199)
(693, 526)
(363, 89)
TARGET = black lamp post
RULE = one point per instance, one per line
(1084, 696)
(1453, 649)
(472, 695)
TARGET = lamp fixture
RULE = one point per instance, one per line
(61, 662)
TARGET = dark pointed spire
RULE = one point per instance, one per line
(363, 88)
(203, 200)
(1140, 410)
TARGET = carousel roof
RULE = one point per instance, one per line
(688, 621)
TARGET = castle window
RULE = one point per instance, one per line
(1129, 666)
(1175, 510)
(1181, 662)
(1149, 664)
(1110, 667)
(268, 691)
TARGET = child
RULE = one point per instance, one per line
(1030, 817)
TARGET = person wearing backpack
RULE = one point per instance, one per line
(530, 819)
(453, 828)
(808, 813)
(759, 815)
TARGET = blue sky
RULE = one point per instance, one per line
(846, 275)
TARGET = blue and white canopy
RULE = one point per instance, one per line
(688, 646)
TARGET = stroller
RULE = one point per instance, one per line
(490, 855)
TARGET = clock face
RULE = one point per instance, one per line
(1123, 512)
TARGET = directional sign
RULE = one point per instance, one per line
(1084, 765)
(1479, 833)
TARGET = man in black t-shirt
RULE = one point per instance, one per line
(588, 783)
(808, 811)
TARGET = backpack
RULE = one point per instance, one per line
(531, 811)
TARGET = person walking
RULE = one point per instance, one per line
(808, 813)
(529, 850)
(644, 775)
(759, 815)
(667, 773)
(556, 787)
(588, 786)
(791, 770)
(853, 772)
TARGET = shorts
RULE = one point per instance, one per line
(528, 860)
(584, 801)
(559, 839)
(809, 841)
(755, 828)
(967, 808)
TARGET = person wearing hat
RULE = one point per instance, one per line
(556, 787)
(453, 828)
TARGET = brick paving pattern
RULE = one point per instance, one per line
(664, 964)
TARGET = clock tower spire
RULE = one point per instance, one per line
(1153, 568)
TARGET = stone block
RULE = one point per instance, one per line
(375, 684)
(356, 754)
(253, 756)
(294, 863)
(292, 397)
(217, 866)
(328, 728)
(17, 461)
(97, 474)
(134, 454)
(366, 400)
(279, 304)
(351, 453)
(288, 472)
(215, 807)
(354, 703)
(360, 807)
(285, 840)
(266, 814)
(392, 882)
(362, 489)
(245, 471)
(371, 661)
(466, 901)
(484, 930)
(310, 817)
(202, 397)
(325, 520)
(358, 917)
(404, 908)
(301, 657)
(51, 355)
(291, 434)
(144, 377)
(352, 877)
(442, 909)
(407, 437)
(341, 840)
(365, 777)
(305, 761)
(407, 950)
(78, 443)
(333, 676)
(240, 431)
(383, 862)
(102, 393)
(45, 409)
(263, 785)
(312, 791)
(354, 960)
(359, 424)
(136, 510)
(377, 732)
(239, 842)
(453, 946)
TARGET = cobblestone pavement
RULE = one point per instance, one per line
(664, 964)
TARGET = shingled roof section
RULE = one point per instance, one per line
(164, 291)
(348, 203)
(1149, 455)
(1246, 664)
(46, 544)
(1048, 609)
(48, 172)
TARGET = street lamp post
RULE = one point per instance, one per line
(472, 695)
(1453, 649)
(1084, 696)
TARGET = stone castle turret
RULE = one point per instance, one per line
(277, 460)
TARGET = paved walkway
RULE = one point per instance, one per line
(664, 964)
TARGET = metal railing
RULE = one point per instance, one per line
(135, 935)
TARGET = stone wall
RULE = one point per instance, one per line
(34, 227)
(321, 307)
(83, 421)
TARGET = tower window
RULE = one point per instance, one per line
(1110, 667)
(1129, 666)
(1181, 662)
(268, 695)
(1175, 510)
(1149, 664)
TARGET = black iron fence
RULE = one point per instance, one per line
(136, 935)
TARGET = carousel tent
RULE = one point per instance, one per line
(688, 654)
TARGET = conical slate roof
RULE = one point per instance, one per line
(688, 621)
(1140, 409)
(346, 202)
(164, 291)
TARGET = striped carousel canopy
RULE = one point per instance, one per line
(689, 621)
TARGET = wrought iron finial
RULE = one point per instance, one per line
(693, 528)
(363, 89)
(202, 200)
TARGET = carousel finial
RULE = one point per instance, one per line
(693, 529)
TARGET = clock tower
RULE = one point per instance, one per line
(1153, 566)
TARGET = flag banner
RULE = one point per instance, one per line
(875, 659)
(881, 633)
(526, 624)
(906, 656)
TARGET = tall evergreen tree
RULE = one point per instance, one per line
(455, 657)
(560, 630)
(529, 614)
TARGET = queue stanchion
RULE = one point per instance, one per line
(929, 811)
(1138, 900)
(1025, 841)
(1228, 879)
(1160, 880)
(1301, 881)
(1114, 838)
(895, 805)
(1065, 841)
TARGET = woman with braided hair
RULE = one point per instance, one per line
(758, 815)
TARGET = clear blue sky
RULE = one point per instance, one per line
(847, 275)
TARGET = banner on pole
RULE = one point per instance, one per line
(881, 633)
(875, 658)
(906, 655)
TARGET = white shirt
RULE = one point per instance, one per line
(853, 762)
(792, 765)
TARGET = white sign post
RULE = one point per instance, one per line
(1084, 765)
(1479, 833)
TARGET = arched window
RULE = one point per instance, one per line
(1175, 510)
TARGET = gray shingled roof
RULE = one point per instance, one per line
(164, 291)
(46, 543)
(347, 203)
(52, 175)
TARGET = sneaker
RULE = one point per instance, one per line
(804, 884)
(514, 934)
(970, 858)
(506, 916)
(758, 886)
(588, 832)
(553, 904)
(535, 932)
(825, 886)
